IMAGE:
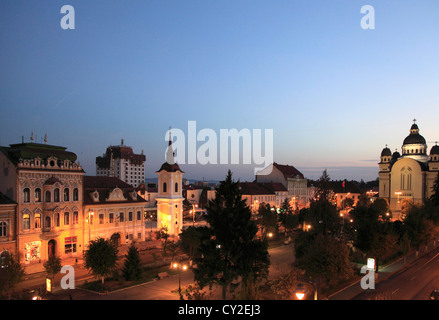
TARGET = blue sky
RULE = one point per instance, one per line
(333, 93)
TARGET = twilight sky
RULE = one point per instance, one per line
(333, 93)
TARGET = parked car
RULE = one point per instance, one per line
(434, 295)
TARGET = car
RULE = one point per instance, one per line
(434, 295)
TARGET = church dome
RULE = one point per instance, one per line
(386, 152)
(434, 150)
(414, 137)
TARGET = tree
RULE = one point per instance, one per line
(231, 251)
(11, 272)
(323, 186)
(434, 198)
(101, 258)
(267, 219)
(327, 258)
(162, 234)
(191, 238)
(132, 269)
(52, 265)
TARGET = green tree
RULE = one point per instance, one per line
(191, 238)
(267, 219)
(101, 258)
(52, 265)
(132, 268)
(326, 258)
(434, 198)
(231, 252)
(162, 234)
(11, 272)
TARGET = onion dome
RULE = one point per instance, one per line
(434, 150)
(386, 152)
(414, 137)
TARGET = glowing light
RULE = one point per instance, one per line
(300, 295)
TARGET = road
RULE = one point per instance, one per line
(412, 283)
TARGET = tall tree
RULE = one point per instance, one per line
(434, 198)
(11, 272)
(267, 219)
(52, 265)
(231, 252)
(132, 268)
(101, 257)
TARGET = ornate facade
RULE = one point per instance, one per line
(408, 178)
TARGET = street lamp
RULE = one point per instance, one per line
(89, 220)
(301, 291)
(193, 213)
(180, 267)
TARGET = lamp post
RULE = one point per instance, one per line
(180, 267)
(301, 290)
(193, 213)
(89, 221)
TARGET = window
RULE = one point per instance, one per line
(26, 221)
(139, 215)
(111, 217)
(37, 195)
(75, 217)
(26, 195)
(48, 196)
(101, 218)
(130, 216)
(121, 217)
(56, 217)
(47, 222)
(164, 187)
(3, 229)
(37, 220)
(75, 194)
(70, 244)
(66, 194)
(66, 218)
(56, 195)
(176, 187)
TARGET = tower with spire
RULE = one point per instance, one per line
(170, 197)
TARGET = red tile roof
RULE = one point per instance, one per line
(288, 171)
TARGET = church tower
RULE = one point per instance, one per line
(169, 197)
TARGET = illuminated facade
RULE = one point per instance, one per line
(46, 183)
(112, 210)
(408, 178)
(169, 197)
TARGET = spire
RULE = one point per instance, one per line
(169, 150)
(45, 138)
(32, 137)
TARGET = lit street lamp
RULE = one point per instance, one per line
(180, 267)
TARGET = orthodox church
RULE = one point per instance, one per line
(408, 178)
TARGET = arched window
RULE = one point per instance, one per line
(48, 222)
(66, 218)
(3, 229)
(56, 217)
(26, 195)
(165, 187)
(26, 221)
(75, 194)
(37, 220)
(176, 187)
(66, 194)
(48, 196)
(56, 195)
(37, 195)
(75, 217)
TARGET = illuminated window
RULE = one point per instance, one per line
(66, 218)
(75, 217)
(75, 194)
(26, 221)
(37, 195)
(37, 220)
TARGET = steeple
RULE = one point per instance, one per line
(169, 151)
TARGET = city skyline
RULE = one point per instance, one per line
(333, 93)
